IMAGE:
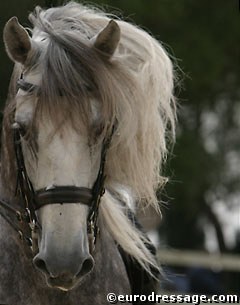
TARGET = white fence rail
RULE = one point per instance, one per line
(172, 257)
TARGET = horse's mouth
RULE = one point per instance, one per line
(63, 282)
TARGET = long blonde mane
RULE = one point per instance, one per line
(137, 93)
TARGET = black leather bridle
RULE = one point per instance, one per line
(33, 200)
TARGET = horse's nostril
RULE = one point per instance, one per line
(87, 266)
(63, 272)
(41, 265)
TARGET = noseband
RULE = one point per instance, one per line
(33, 200)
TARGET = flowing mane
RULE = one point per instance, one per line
(133, 92)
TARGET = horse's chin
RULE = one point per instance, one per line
(63, 289)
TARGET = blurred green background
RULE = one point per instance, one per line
(202, 200)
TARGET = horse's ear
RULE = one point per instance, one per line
(107, 40)
(17, 41)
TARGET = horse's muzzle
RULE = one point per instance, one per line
(57, 275)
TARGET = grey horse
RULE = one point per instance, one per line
(81, 151)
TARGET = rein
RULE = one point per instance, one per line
(32, 199)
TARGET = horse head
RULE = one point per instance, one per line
(62, 157)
